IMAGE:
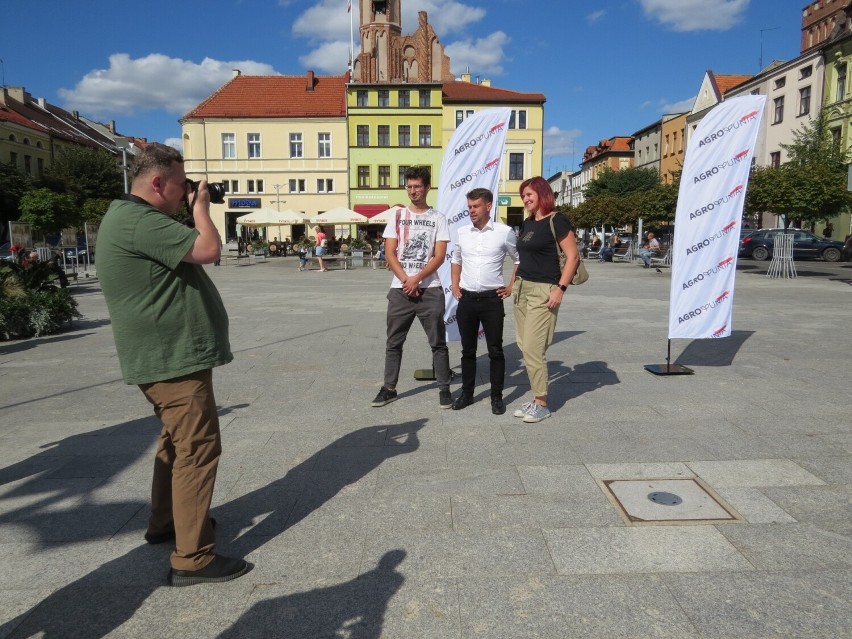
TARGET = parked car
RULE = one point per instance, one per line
(760, 244)
(6, 254)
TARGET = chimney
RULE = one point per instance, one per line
(76, 114)
(235, 73)
(41, 102)
(465, 76)
(111, 126)
(311, 80)
(486, 82)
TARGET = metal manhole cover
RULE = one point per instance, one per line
(668, 501)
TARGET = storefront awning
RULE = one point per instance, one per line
(370, 210)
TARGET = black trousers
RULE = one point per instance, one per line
(487, 309)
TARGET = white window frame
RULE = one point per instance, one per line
(296, 185)
(325, 185)
(297, 145)
(229, 146)
(254, 146)
(324, 145)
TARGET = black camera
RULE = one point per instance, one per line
(216, 189)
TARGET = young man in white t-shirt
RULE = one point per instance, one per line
(415, 246)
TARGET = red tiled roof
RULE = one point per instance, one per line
(57, 122)
(276, 96)
(460, 91)
(727, 82)
(9, 115)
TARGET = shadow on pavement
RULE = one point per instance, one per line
(713, 352)
(103, 600)
(355, 608)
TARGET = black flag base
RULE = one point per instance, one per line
(668, 368)
(428, 375)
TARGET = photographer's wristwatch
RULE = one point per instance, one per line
(564, 287)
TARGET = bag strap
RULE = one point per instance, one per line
(553, 232)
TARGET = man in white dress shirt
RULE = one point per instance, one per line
(477, 283)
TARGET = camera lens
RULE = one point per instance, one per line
(217, 192)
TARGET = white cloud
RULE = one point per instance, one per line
(595, 16)
(153, 82)
(175, 143)
(559, 142)
(683, 106)
(483, 54)
(696, 15)
(329, 57)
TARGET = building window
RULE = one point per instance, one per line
(296, 150)
(384, 177)
(775, 159)
(805, 72)
(324, 145)
(384, 98)
(402, 169)
(404, 134)
(516, 166)
(841, 82)
(666, 147)
(13, 159)
(384, 135)
(804, 100)
(425, 98)
(363, 177)
(518, 119)
(363, 135)
(28, 164)
(254, 145)
(40, 162)
(779, 110)
(254, 186)
(325, 185)
(404, 99)
(229, 146)
(459, 117)
(231, 186)
(835, 136)
(361, 98)
(780, 82)
(425, 135)
(297, 186)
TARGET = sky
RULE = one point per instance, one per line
(607, 67)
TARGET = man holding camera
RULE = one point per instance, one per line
(171, 330)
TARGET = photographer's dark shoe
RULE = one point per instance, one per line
(168, 535)
(497, 406)
(220, 570)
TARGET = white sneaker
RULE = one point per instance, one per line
(524, 410)
(536, 414)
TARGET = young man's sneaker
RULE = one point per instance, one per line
(385, 396)
(536, 414)
(524, 410)
(445, 399)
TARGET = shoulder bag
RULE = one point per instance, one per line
(581, 275)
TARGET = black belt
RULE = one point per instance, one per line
(479, 295)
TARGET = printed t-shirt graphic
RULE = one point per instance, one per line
(416, 234)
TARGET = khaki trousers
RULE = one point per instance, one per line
(185, 465)
(534, 328)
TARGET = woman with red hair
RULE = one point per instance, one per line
(540, 284)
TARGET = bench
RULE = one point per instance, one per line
(339, 261)
(623, 254)
(665, 260)
(240, 255)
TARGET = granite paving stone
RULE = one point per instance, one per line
(409, 520)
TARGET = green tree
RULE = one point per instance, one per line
(48, 211)
(13, 185)
(84, 174)
(93, 211)
(811, 186)
(623, 182)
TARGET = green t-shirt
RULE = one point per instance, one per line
(167, 316)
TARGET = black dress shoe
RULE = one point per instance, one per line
(219, 570)
(497, 406)
(169, 535)
(462, 401)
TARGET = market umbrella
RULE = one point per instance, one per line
(386, 216)
(339, 215)
(271, 217)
